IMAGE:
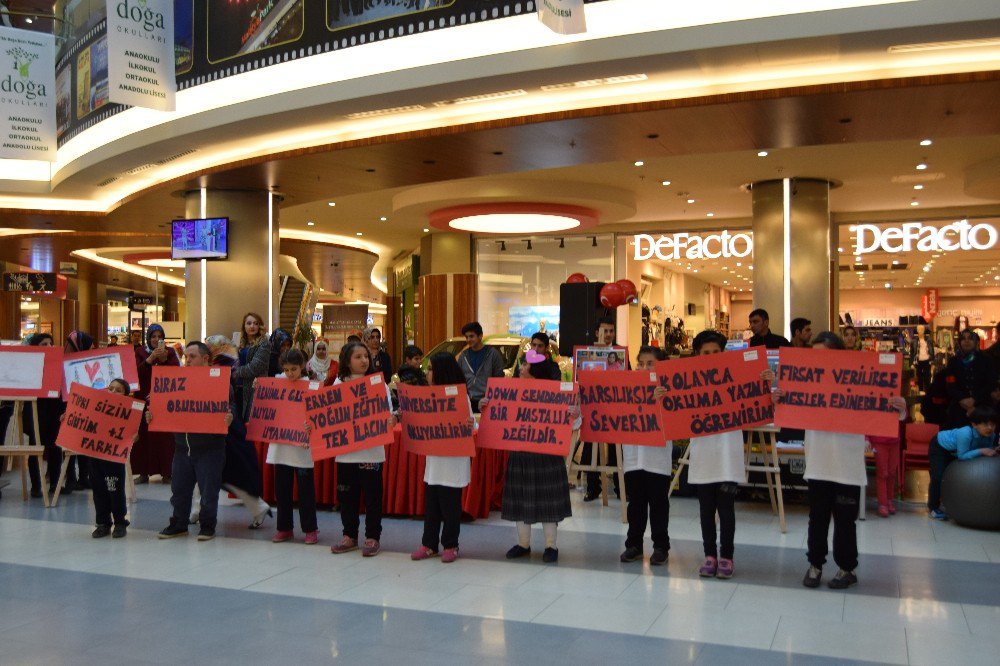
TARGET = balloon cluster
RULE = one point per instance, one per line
(613, 294)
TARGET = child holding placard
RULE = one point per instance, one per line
(647, 484)
(716, 468)
(444, 478)
(291, 464)
(359, 472)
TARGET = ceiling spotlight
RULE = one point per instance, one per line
(725, 282)
(665, 183)
(761, 153)
(750, 266)
(529, 243)
(310, 223)
(383, 218)
(690, 200)
(914, 203)
(503, 246)
(332, 203)
(709, 214)
(887, 285)
(739, 263)
(926, 142)
(857, 260)
(562, 242)
(593, 241)
(922, 166)
(427, 231)
(639, 163)
(359, 234)
(895, 262)
(840, 249)
(918, 187)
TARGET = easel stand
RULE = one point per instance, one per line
(599, 463)
(18, 449)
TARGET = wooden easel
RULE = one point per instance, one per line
(18, 449)
(599, 463)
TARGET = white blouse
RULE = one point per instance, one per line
(835, 456)
(717, 458)
(450, 471)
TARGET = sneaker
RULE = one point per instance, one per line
(658, 557)
(371, 548)
(173, 530)
(422, 553)
(843, 580)
(449, 555)
(550, 555)
(120, 530)
(346, 545)
(812, 577)
(281, 536)
(709, 567)
(312, 538)
(883, 510)
(892, 508)
(938, 514)
(101, 531)
(518, 551)
(725, 568)
(206, 533)
(631, 554)
(195, 517)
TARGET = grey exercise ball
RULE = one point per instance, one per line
(971, 493)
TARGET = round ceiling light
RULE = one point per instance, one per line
(514, 218)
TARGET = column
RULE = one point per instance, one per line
(219, 292)
(794, 259)
(448, 289)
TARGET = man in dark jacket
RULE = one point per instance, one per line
(198, 458)
(760, 324)
(993, 351)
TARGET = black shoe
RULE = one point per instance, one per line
(101, 531)
(843, 580)
(812, 577)
(119, 531)
(590, 496)
(173, 530)
(206, 534)
(518, 551)
(658, 557)
(631, 554)
(143, 478)
(36, 492)
(67, 489)
(550, 555)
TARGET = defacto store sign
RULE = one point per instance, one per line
(693, 246)
(961, 235)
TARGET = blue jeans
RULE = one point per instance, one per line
(203, 467)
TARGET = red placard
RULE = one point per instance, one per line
(349, 417)
(435, 420)
(839, 391)
(527, 415)
(97, 367)
(618, 408)
(30, 372)
(715, 393)
(278, 414)
(191, 399)
(99, 423)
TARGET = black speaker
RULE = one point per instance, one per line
(579, 309)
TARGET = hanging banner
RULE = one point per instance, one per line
(344, 318)
(349, 417)
(191, 399)
(564, 17)
(96, 368)
(27, 95)
(527, 415)
(278, 414)
(839, 391)
(715, 393)
(618, 408)
(30, 372)
(932, 304)
(435, 420)
(100, 424)
(141, 53)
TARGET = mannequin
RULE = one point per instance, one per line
(921, 355)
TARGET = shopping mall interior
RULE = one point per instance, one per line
(414, 166)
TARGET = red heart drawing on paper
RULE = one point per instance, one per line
(92, 369)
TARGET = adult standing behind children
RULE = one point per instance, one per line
(760, 325)
(381, 361)
(254, 362)
(970, 380)
(153, 453)
(479, 362)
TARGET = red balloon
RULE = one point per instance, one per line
(576, 278)
(612, 295)
(628, 288)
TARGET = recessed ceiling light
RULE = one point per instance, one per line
(359, 234)
(690, 200)
(639, 163)
(996, 277)
(926, 142)
(665, 183)
(739, 263)
(895, 262)
(383, 218)
(725, 282)
(914, 203)
(857, 260)
(922, 166)
(310, 223)
(887, 285)
(840, 249)
(750, 267)
(918, 187)
(761, 153)
(709, 214)
(427, 231)
(695, 270)
(331, 203)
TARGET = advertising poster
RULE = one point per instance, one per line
(27, 95)
(239, 28)
(345, 13)
(64, 99)
(526, 320)
(599, 358)
(183, 36)
(139, 53)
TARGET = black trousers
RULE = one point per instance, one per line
(938, 460)
(923, 369)
(108, 483)
(647, 498)
(718, 498)
(442, 505)
(285, 477)
(841, 502)
(594, 483)
(353, 479)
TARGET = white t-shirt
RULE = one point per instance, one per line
(373, 455)
(655, 459)
(717, 458)
(450, 471)
(288, 454)
(835, 456)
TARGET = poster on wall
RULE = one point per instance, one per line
(92, 78)
(140, 53)
(239, 28)
(346, 13)
(27, 95)
(526, 320)
(64, 99)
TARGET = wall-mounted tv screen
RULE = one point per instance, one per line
(200, 239)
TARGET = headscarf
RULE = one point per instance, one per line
(321, 366)
(367, 333)
(79, 341)
(278, 338)
(35, 339)
(221, 346)
(149, 334)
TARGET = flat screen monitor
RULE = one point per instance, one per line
(200, 239)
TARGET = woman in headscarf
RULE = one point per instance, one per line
(321, 365)
(281, 341)
(381, 361)
(241, 475)
(153, 452)
(254, 361)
